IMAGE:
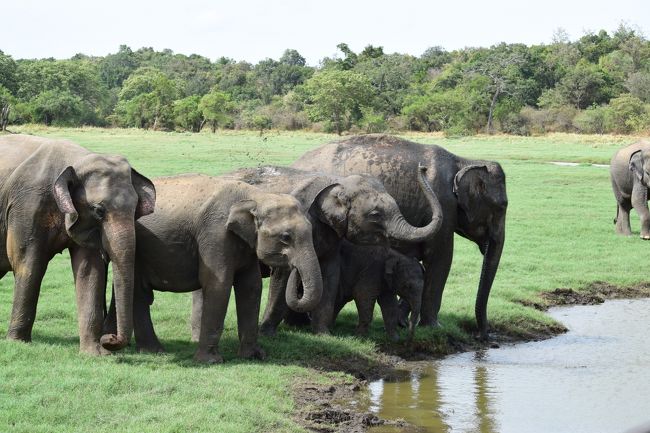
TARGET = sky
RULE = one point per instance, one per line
(252, 30)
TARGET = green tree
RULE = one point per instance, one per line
(216, 108)
(57, 107)
(6, 101)
(8, 73)
(187, 113)
(627, 114)
(114, 69)
(146, 99)
(335, 95)
(638, 84)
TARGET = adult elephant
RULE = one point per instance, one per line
(208, 234)
(472, 194)
(55, 195)
(356, 208)
(629, 170)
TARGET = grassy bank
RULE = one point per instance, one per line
(559, 234)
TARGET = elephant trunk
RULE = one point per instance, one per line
(119, 242)
(491, 257)
(400, 229)
(415, 305)
(306, 269)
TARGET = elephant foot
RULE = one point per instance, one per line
(208, 357)
(94, 349)
(429, 323)
(322, 330)
(645, 236)
(19, 335)
(393, 336)
(252, 352)
(150, 348)
(268, 330)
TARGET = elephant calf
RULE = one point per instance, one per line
(370, 274)
(208, 234)
(629, 170)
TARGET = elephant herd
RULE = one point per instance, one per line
(366, 219)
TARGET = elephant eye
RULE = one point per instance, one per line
(99, 211)
(374, 214)
(285, 238)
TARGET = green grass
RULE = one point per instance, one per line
(559, 234)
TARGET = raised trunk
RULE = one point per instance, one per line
(400, 229)
(119, 242)
(307, 269)
(491, 259)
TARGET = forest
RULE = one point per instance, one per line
(599, 83)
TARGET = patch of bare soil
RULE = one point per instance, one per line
(595, 293)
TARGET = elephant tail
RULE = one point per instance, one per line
(616, 217)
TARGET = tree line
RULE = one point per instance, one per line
(599, 83)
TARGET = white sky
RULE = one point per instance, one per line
(254, 29)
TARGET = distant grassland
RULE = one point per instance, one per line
(559, 234)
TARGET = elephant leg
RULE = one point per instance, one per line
(365, 307)
(216, 281)
(248, 294)
(276, 306)
(110, 321)
(322, 317)
(146, 339)
(640, 204)
(390, 313)
(437, 264)
(29, 267)
(89, 270)
(195, 318)
(623, 218)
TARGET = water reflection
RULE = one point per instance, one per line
(592, 379)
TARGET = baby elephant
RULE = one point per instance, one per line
(373, 273)
(209, 234)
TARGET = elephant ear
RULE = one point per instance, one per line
(470, 188)
(242, 221)
(326, 199)
(62, 190)
(636, 164)
(146, 194)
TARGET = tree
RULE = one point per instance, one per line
(335, 95)
(114, 69)
(146, 99)
(638, 84)
(8, 71)
(216, 108)
(188, 115)
(6, 99)
(583, 85)
(57, 107)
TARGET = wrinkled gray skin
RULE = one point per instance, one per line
(630, 173)
(372, 274)
(208, 234)
(357, 208)
(472, 194)
(56, 195)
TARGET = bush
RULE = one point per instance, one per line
(592, 120)
(627, 113)
(541, 121)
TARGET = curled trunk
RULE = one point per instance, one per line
(491, 258)
(307, 270)
(119, 242)
(400, 229)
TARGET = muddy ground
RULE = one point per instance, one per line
(323, 408)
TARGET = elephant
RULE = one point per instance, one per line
(208, 234)
(372, 274)
(630, 173)
(55, 195)
(356, 208)
(472, 195)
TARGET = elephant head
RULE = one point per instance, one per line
(405, 277)
(275, 226)
(359, 209)
(482, 205)
(101, 196)
(640, 166)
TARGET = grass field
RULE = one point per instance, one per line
(559, 234)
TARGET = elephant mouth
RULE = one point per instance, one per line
(368, 238)
(274, 259)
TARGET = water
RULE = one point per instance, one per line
(595, 378)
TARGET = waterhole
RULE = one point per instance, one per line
(595, 378)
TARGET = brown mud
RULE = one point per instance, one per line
(326, 409)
